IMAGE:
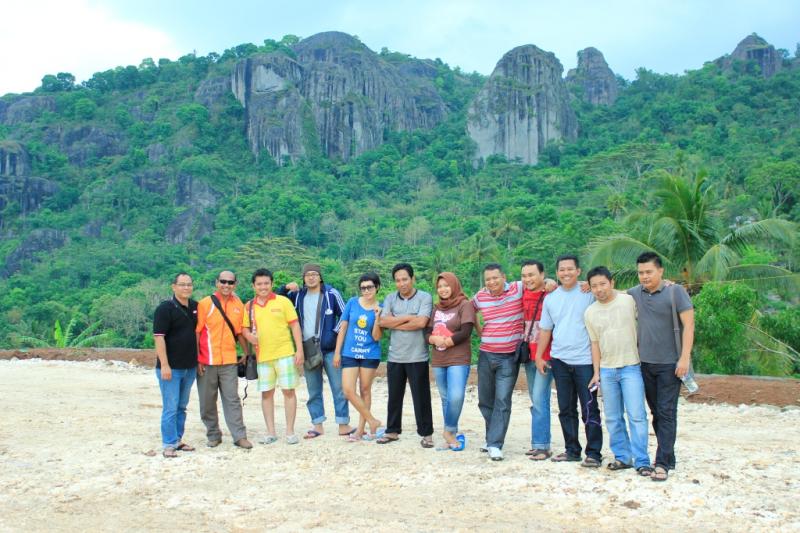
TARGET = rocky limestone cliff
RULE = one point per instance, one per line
(36, 242)
(17, 185)
(756, 49)
(523, 106)
(594, 77)
(335, 97)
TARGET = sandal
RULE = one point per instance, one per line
(312, 434)
(659, 474)
(169, 452)
(386, 439)
(645, 471)
(591, 462)
(539, 455)
(183, 447)
(426, 442)
(565, 457)
(618, 465)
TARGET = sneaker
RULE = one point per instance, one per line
(268, 439)
(495, 454)
(243, 443)
(292, 439)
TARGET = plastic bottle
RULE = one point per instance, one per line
(689, 382)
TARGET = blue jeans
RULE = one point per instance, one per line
(497, 374)
(174, 399)
(572, 383)
(452, 382)
(539, 391)
(315, 403)
(623, 393)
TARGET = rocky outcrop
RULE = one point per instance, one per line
(335, 97)
(17, 185)
(213, 92)
(197, 220)
(596, 80)
(27, 108)
(37, 241)
(87, 142)
(523, 106)
(756, 50)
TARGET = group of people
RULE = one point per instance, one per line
(633, 346)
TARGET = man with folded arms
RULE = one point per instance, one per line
(219, 328)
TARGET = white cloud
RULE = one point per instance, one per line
(46, 37)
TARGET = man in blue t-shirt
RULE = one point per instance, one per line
(571, 360)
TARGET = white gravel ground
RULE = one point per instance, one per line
(80, 451)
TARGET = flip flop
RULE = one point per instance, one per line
(348, 433)
(539, 455)
(386, 439)
(462, 443)
(591, 462)
(565, 457)
(169, 452)
(183, 447)
(312, 434)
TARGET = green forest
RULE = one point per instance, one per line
(703, 168)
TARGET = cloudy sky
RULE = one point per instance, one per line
(41, 37)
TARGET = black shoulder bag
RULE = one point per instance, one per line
(312, 349)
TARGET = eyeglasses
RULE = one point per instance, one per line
(227, 281)
(365, 288)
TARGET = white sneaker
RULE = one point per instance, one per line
(495, 454)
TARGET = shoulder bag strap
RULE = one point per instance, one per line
(319, 315)
(215, 300)
(675, 326)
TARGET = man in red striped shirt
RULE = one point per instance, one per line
(500, 305)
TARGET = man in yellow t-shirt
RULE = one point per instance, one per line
(271, 325)
(611, 324)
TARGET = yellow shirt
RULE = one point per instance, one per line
(272, 322)
(613, 327)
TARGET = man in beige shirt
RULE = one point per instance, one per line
(611, 324)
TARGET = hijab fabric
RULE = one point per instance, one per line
(456, 295)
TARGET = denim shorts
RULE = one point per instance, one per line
(352, 362)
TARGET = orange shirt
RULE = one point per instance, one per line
(216, 343)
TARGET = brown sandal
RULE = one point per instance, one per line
(539, 455)
(426, 442)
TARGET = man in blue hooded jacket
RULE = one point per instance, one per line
(318, 299)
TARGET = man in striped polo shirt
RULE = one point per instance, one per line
(500, 305)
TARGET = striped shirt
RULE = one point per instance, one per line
(502, 317)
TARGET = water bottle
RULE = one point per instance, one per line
(689, 382)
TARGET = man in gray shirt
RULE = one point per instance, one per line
(664, 361)
(406, 312)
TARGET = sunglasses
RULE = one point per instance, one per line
(227, 281)
(365, 288)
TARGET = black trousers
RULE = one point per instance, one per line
(572, 383)
(662, 390)
(418, 378)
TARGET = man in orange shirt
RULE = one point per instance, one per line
(219, 328)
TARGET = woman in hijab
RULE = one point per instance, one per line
(449, 332)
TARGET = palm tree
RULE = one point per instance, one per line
(66, 338)
(688, 236)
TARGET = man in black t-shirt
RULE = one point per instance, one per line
(174, 323)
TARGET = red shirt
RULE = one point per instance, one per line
(534, 301)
